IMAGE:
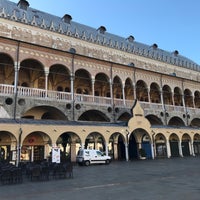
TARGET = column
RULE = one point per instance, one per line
(123, 93)
(134, 92)
(149, 98)
(46, 81)
(106, 146)
(173, 98)
(16, 66)
(72, 85)
(126, 151)
(152, 150)
(180, 148)
(73, 151)
(168, 149)
(111, 91)
(162, 100)
(93, 82)
(115, 150)
(183, 100)
(82, 145)
(193, 101)
(191, 148)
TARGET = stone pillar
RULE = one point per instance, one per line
(93, 82)
(173, 98)
(106, 146)
(180, 148)
(17, 67)
(115, 150)
(73, 152)
(134, 92)
(191, 146)
(162, 100)
(46, 81)
(193, 101)
(168, 149)
(152, 150)
(111, 91)
(149, 98)
(126, 151)
(82, 145)
(123, 93)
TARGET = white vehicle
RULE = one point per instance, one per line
(91, 156)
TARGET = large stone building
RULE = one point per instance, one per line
(64, 84)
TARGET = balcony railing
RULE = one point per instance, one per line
(51, 95)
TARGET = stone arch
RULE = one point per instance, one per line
(174, 145)
(188, 98)
(178, 100)
(117, 146)
(7, 69)
(32, 73)
(69, 144)
(36, 147)
(95, 140)
(141, 91)
(160, 145)
(7, 140)
(117, 88)
(59, 77)
(44, 112)
(93, 115)
(186, 144)
(196, 144)
(176, 121)
(167, 95)
(102, 85)
(155, 93)
(128, 89)
(154, 120)
(83, 82)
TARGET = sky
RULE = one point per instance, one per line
(171, 24)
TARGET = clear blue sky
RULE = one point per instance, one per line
(171, 24)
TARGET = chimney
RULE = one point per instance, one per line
(67, 18)
(101, 29)
(130, 38)
(23, 4)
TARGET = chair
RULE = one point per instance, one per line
(35, 173)
(69, 170)
(17, 176)
(45, 172)
(6, 177)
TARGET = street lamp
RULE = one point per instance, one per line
(19, 147)
(127, 144)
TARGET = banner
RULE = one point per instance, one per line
(56, 154)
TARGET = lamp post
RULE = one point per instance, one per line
(126, 144)
(73, 52)
(19, 147)
(153, 141)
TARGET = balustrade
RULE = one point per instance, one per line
(88, 99)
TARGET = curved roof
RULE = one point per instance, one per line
(22, 13)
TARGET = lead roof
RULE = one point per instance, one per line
(23, 13)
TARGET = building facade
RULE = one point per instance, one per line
(67, 85)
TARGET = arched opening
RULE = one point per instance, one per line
(36, 147)
(196, 144)
(154, 120)
(185, 144)
(178, 100)
(128, 89)
(188, 98)
(176, 121)
(155, 93)
(173, 141)
(167, 95)
(142, 91)
(117, 88)
(102, 85)
(160, 145)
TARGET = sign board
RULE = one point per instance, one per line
(56, 154)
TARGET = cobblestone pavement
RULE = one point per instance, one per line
(163, 179)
